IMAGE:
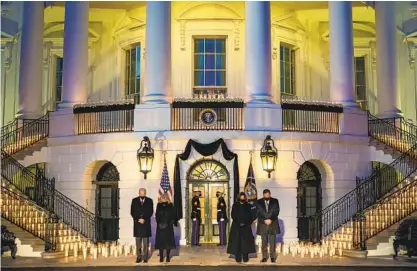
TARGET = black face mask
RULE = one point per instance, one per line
(267, 198)
(142, 197)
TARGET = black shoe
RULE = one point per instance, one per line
(245, 260)
(273, 260)
(138, 260)
(145, 261)
(168, 260)
(161, 259)
(263, 260)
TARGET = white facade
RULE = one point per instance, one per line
(114, 27)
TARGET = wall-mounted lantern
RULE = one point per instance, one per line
(269, 155)
(145, 156)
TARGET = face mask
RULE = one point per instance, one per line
(141, 197)
(267, 198)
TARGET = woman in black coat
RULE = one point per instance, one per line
(241, 240)
(165, 219)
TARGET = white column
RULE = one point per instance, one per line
(258, 52)
(75, 70)
(31, 53)
(386, 52)
(158, 53)
(342, 87)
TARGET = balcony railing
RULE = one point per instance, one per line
(104, 118)
(224, 114)
(309, 117)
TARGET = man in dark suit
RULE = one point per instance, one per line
(141, 211)
(268, 227)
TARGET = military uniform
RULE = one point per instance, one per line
(222, 219)
(195, 220)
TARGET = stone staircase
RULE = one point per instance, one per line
(33, 225)
(30, 150)
(28, 245)
(382, 243)
(371, 211)
(380, 222)
(31, 202)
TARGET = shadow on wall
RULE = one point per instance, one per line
(280, 236)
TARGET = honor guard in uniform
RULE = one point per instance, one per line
(221, 217)
(195, 218)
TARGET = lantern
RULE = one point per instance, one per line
(269, 155)
(145, 156)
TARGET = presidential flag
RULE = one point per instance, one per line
(165, 186)
(250, 185)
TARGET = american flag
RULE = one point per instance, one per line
(165, 185)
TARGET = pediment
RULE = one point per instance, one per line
(209, 11)
(128, 22)
(289, 21)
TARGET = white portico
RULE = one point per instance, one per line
(112, 73)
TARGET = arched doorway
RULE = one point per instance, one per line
(309, 202)
(207, 176)
(107, 201)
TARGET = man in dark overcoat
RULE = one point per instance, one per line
(268, 226)
(141, 211)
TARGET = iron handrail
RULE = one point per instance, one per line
(42, 191)
(9, 127)
(28, 134)
(20, 221)
(368, 191)
(387, 216)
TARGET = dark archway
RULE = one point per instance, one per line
(309, 202)
(107, 201)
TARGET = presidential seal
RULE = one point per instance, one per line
(208, 117)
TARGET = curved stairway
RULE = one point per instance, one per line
(31, 202)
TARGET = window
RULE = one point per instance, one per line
(360, 79)
(209, 67)
(132, 77)
(287, 70)
(58, 78)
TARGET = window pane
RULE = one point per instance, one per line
(286, 54)
(199, 61)
(210, 61)
(220, 46)
(210, 46)
(282, 83)
(199, 46)
(287, 85)
(198, 78)
(287, 70)
(58, 78)
(220, 62)
(220, 78)
(210, 78)
(138, 61)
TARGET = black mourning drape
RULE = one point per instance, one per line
(204, 150)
